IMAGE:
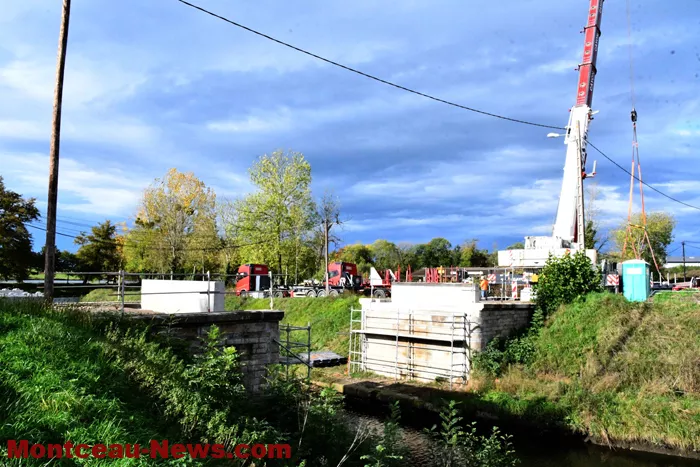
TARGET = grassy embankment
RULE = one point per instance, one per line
(329, 318)
(616, 371)
(67, 375)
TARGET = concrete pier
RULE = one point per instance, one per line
(428, 332)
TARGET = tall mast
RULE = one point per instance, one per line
(587, 69)
(570, 222)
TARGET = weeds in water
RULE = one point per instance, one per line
(455, 446)
(389, 450)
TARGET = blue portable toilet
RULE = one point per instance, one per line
(636, 278)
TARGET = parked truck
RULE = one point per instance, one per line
(255, 280)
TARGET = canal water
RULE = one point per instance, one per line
(532, 453)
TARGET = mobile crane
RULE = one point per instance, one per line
(569, 228)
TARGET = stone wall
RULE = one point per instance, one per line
(501, 319)
(254, 334)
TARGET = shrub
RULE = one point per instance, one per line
(565, 280)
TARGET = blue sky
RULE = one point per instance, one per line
(153, 85)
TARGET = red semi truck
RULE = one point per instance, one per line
(254, 280)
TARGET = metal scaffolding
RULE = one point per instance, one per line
(295, 352)
(402, 334)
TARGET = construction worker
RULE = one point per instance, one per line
(484, 284)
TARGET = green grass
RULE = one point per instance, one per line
(74, 376)
(620, 371)
(330, 324)
(58, 275)
(56, 384)
(329, 317)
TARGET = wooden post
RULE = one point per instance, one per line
(325, 232)
(50, 256)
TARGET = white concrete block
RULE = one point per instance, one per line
(443, 297)
(165, 296)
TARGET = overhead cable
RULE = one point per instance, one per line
(643, 182)
(366, 75)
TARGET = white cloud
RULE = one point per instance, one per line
(100, 192)
(109, 130)
(23, 129)
(686, 187)
(251, 124)
(94, 82)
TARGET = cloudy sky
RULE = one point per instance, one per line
(156, 84)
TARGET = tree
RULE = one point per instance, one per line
(280, 211)
(385, 255)
(359, 254)
(15, 240)
(565, 279)
(437, 252)
(175, 227)
(659, 227)
(328, 214)
(99, 251)
(593, 239)
(472, 256)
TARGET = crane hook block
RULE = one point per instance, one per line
(634, 116)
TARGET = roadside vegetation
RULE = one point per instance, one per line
(73, 376)
(617, 371)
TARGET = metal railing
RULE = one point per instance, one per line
(128, 284)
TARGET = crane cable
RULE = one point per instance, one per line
(635, 161)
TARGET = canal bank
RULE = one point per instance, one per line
(537, 441)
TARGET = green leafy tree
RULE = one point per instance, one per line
(15, 240)
(385, 255)
(67, 261)
(659, 226)
(280, 212)
(359, 254)
(437, 252)
(98, 250)
(472, 256)
(566, 279)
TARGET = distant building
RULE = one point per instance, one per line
(675, 261)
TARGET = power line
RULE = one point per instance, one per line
(428, 96)
(366, 75)
(643, 182)
(153, 248)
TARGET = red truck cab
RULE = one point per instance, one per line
(343, 275)
(252, 278)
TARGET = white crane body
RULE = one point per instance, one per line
(568, 232)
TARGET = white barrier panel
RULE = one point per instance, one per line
(166, 296)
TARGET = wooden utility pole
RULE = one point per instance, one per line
(683, 245)
(50, 258)
(325, 232)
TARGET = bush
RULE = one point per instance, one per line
(562, 281)
(518, 349)
(565, 280)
